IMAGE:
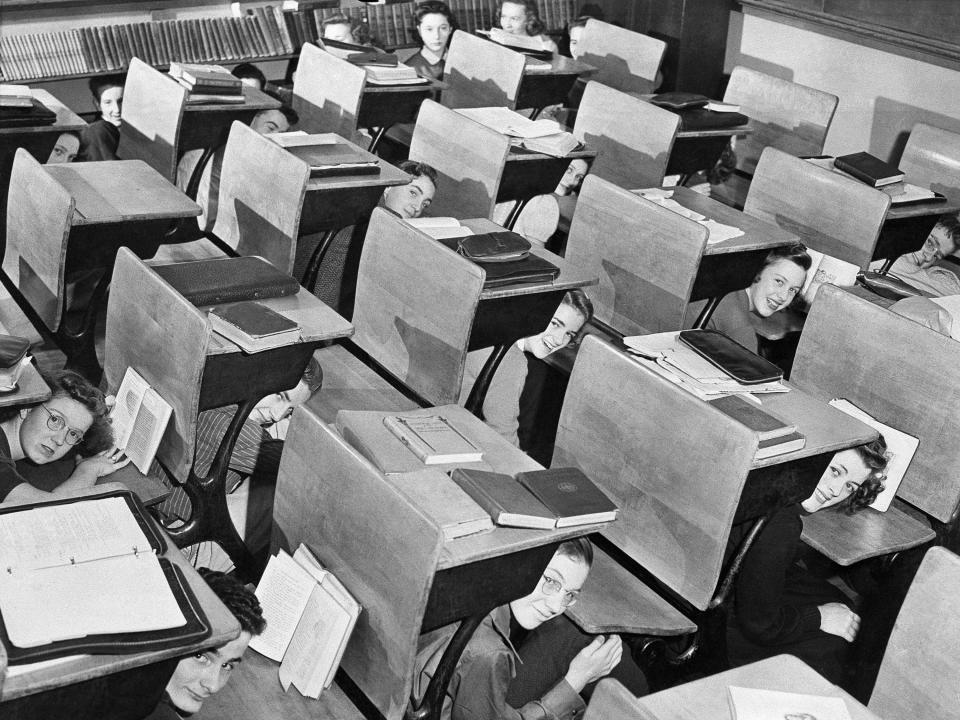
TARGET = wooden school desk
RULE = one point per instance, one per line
(696, 150)
(81, 668)
(544, 84)
(30, 387)
(419, 582)
(118, 203)
(709, 697)
(527, 174)
(383, 106)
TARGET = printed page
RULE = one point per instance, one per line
(124, 412)
(283, 593)
(315, 643)
(77, 532)
(147, 430)
(826, 269)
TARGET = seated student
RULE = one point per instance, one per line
(264, 122)
(73, 424)
(744, 314)
(923, 269)
(522, 17)
(250, 75)
(575, 32)
(99, 139)
(339, 28)
(199, 676)
(501, 406)
(337, 280)
(252, 470)
(780, 607)
(491, 662)
(434, 24)
(65, 150)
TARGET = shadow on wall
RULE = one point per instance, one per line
(892, 122)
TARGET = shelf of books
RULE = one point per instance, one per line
(263, 33)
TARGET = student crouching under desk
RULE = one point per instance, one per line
(501, 406)
(525, 661)
(71, 426)
(925, 269)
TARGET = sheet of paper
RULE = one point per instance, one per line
(283, 593)
(720, 232)
(750, 704)
(299, 138)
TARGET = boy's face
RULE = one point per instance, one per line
(279, 406)
(340, 33)
(936, 247)
(199, 676)
(269, 121)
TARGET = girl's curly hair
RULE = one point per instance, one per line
(875, 457)
(69, 384)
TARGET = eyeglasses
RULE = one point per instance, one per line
(933, 247)
(551, 586)
(57, 423)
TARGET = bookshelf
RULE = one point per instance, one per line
(264, 32)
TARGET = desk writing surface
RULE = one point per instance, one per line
(949, 207)
(119, 191)
(30, 387)
(253, 100)
(66, 121)
(570, 275)
(736, 130)
(224, 627)
(520, 154)
(317, 321)
(559, 65)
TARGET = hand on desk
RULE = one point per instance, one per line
(595, 661)
(837, 619)
(96, 466)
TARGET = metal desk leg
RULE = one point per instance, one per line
(707, 312)
(377, 137)
(194, 184)
(478, 392)
(515, 213)
(313, 267)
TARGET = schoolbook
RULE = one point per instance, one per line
(570, 494)
(140, 417)
(453, 509)
(780, 445)
(506, 501)
(749, 413)
(253, 326)
(753, 704)
(224, 280)
(440, 228)
(334, 159)
(310, 616)
(433, 439)
(868, 169)
(98, 556)
(827, 270)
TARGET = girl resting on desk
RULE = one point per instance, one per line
(744, 314)
(73, 421)
(522, 17)
(780, 607)
(99, 139)
(494, 661)
(434, 24)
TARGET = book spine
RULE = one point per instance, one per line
(407, 437)
(126, 38)
(266, 31)
(67, 60)
(856, 172)
(286, 40)
(239, 41)
(46, 54)
(250, 47)
(92, 49)
(156, 33)
(257, 31)
(196, 41)
(206, 48)
(224, 39)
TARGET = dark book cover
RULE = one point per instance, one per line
(507, 501)
(286, 38)
(260, 34)
(335, 159)
(780, 445)
(679, 100)
(229, 26)
(869, 169)
(156, 33)
(223, 280)
(531, 269)
(253, 319)
(250, 46)
(89, 52)
(570, 494)
(206, 44)
(753, 416)
(270, 34)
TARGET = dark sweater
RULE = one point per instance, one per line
(99, 141)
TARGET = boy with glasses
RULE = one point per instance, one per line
(924, 268)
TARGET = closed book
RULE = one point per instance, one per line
(869, 169)
(442, 499)
(373, 58)
(229, 94)
(212, 75)
(753, 416)
(433, 439)
(679, 100)
(531, 269)
(335, 159)
(365, 432)
(571, 495)
(252, 326)
(507, 501)
(780, 445)
(224, 280)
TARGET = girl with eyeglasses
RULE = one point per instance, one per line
(73, 421)
(499, 678)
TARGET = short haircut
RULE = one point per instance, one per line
(419, 169)
(336, 19)
(875, 457)
(578, 300)
(68, 384)
(534, 25)
(951, 223)
(313, 375)
(249, 70)
(795, 253)
(290, 114)
(578, 23)
(99, 83)
(239, 600)
(579, 549)
(433, 7)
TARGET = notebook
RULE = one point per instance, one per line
(224, 280)
(326, 160)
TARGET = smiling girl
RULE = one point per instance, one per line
(99, 139)
(522, 17)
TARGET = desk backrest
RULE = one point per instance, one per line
(612, 701)
(416, 301)
(153, 106)
(633, 138)
(674, 465)
(39, 218)
(625, 60)
(645, 255)
(327, 92)
(920, 668)
(330, 498)
(931, 159)
(783, 114)
(262, 187)
(481, 73)
(468, 157)
(154, 329)
(902, 373)
(830, 212)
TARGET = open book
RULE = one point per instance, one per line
(310, 616)
(752, 704)
(827, 269)
(900, 446)
(80, 568)
(140, 418)
(440, 228)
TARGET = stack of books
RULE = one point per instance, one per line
(395, 75)
(18, 108)
(207, 83)
(544, 135)
(252, 326)
(326, 155)
(775, 437)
